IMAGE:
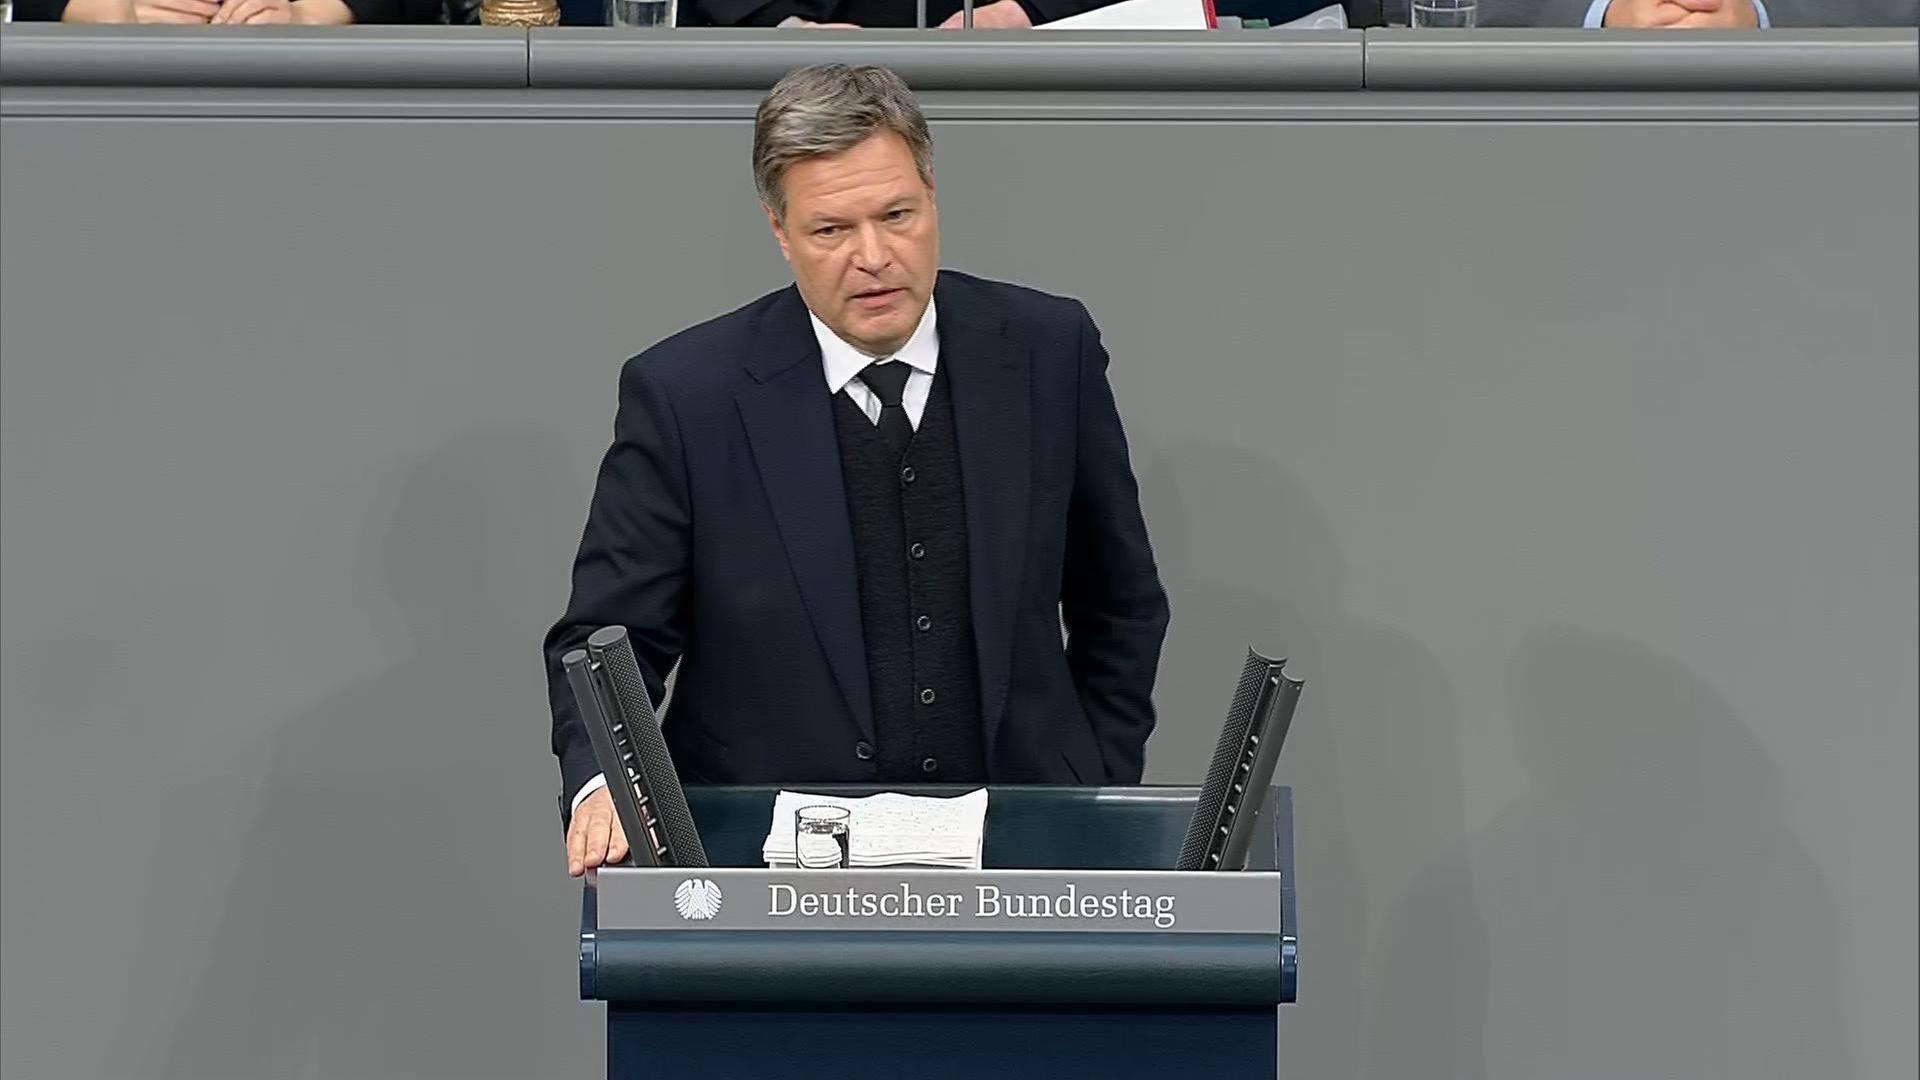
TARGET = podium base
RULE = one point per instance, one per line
(939, 1043)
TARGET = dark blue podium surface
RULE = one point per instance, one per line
(905, 1004)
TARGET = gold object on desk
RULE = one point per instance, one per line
(519, 13)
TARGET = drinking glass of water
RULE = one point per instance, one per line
(1450, 14)
(642, 12)
(820, 836)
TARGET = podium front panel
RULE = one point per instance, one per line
(1116, 966)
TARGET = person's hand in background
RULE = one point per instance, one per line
(808, 24)
(999, 15)
(1681, 14)
(283, 12)
(139, 11)
(594, 836)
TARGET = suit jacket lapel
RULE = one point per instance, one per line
(788, 415)
(989, 378)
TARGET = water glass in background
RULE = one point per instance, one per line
(820, 839)
(641, 12)
(1444, 14)
(6, 11)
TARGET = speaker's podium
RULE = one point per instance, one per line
(1077, 952)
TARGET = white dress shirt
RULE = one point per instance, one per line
(843, 364)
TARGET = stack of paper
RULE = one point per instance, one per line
(1138, 15)
(891, 830)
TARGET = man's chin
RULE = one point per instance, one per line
(885, 331)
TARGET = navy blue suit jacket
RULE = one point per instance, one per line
(719, 535)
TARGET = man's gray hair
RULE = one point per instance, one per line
(826, 109)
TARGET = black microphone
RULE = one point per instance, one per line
(1222, 827)
(619, 718)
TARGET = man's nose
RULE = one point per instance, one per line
(870, 252)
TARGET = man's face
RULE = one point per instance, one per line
(863, 239)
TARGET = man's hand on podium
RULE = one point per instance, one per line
(594, 836)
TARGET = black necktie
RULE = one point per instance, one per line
(887, 379)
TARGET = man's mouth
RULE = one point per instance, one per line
(874, 297)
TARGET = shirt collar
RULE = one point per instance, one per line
(843, 362)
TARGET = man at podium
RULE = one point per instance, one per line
(883, 519)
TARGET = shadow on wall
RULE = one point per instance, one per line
(402, 908)
(1248, 559)
(1653, 914)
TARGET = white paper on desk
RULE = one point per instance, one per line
(1137, 15)
(891, 829)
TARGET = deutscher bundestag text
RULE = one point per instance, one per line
(989, 902)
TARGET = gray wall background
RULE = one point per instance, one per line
(1574, 462)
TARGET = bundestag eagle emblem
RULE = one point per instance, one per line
(697, 898)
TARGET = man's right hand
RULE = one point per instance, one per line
(594, 837)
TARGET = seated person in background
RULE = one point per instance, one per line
(1699, 14)
(1749, 14)
(230, 12)
(946, 14)
(1656, 14)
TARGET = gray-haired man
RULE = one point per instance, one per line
(857, 511)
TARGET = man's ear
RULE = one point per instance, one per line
(779, 232)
